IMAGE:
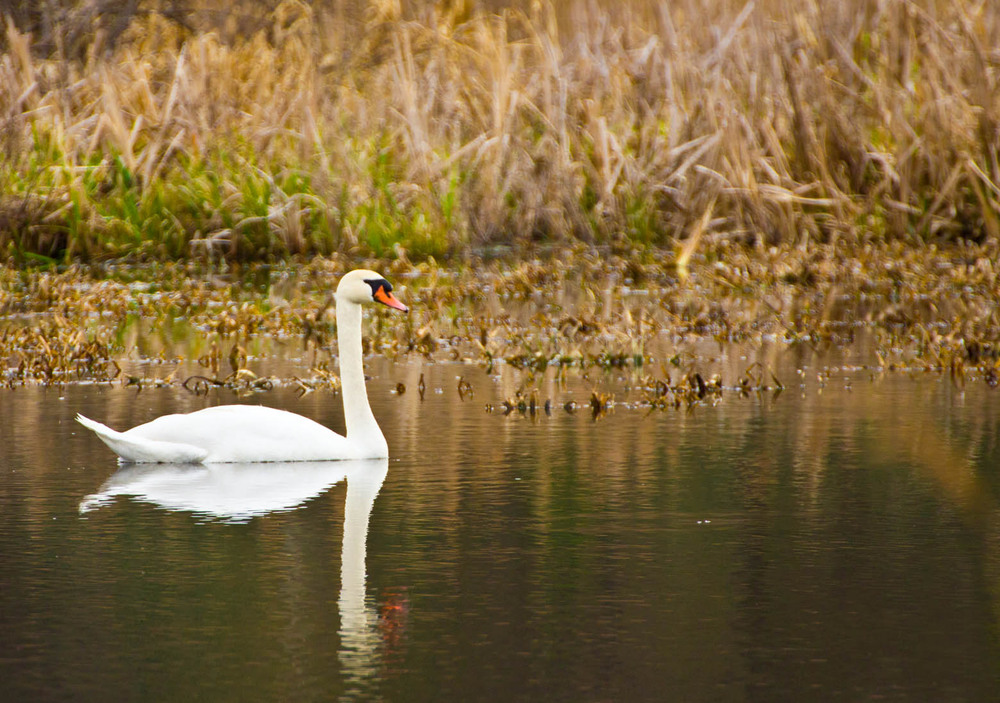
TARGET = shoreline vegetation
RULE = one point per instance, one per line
(198, 325)
(760, 174)
(460, 130)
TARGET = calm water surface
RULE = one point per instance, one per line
(835, 543)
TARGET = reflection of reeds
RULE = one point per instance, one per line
(444, 128)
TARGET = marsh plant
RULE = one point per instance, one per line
(458, 129)
(591, 316)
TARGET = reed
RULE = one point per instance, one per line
(447, 130)
(891, 308)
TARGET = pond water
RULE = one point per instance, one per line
(840, 541)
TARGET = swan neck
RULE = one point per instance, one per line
(361, 424)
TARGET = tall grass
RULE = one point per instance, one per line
(450, 130)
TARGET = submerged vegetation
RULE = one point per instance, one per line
(592, 317)
(457, 130)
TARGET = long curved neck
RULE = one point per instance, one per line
(361, 425)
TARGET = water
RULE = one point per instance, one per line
(838, 542)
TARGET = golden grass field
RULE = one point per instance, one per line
(461, 130)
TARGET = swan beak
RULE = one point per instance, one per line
(387, 298)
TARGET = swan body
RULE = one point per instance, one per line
(249, 433)
(227, 434)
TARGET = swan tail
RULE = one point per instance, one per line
(138, 450)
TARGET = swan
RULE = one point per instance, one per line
(253, 433)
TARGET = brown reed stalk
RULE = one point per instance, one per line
(446, 128)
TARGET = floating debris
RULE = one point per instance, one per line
(600, 403)
(95, 324)
(464, 388)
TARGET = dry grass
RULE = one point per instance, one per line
(453, 131)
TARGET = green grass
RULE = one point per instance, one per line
(448, 132)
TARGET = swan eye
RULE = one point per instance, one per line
(378, 284)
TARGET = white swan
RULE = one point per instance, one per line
(251, 433)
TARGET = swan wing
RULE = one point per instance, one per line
(137, 449)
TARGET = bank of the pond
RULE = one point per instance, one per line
(892, 308)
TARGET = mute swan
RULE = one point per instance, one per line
(252, 433)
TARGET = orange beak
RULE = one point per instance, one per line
(387, 298)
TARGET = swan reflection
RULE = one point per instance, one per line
(239, 492)
(232, 492)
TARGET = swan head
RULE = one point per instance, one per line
(362, 286)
